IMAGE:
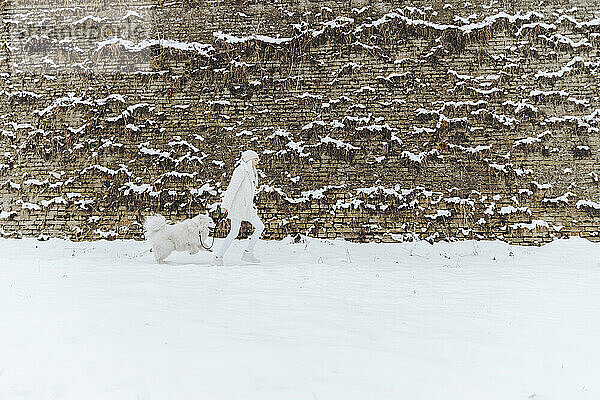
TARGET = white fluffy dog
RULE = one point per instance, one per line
(181, 236)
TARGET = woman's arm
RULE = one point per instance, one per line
(234, 185)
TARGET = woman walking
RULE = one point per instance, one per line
(238, 203)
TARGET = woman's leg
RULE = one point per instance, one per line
(259, 227)
(233, 232)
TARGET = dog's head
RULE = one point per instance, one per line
(203, 224)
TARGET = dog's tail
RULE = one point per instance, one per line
(152, 224)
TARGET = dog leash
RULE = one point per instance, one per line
(220, 219)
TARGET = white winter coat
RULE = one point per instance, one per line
(238, 199)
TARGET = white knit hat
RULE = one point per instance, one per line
(249, 155)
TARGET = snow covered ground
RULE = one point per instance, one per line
(316, 320)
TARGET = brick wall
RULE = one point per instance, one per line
(374, 120)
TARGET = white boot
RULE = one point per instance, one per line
(216, 261)
(248, 256)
